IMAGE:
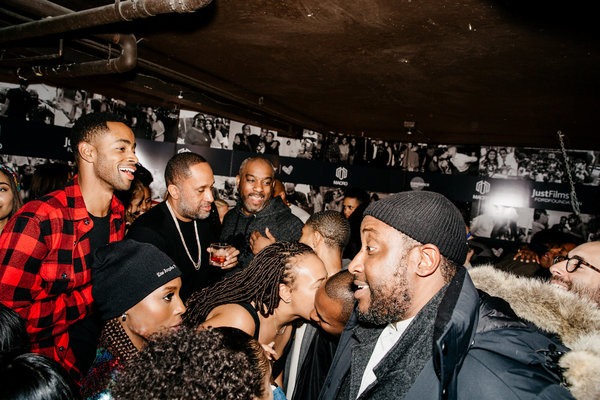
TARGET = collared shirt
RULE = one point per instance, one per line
(387, 339)
(45, 272)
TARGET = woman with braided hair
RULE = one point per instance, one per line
(277, 288)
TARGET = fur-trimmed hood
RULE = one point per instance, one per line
(574, 319)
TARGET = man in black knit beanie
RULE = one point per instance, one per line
(420, 329)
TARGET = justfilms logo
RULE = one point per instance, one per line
(341, 174)
(482, 188)
(550, 196)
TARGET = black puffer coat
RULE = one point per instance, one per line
(480, 350)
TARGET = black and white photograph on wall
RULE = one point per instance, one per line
(70, 104)
(498, 162)
(548, 165)
(489, 220)
(225, 189)
(585, 166)
(154, 157)
(38, 176)
(289, 147)
(312, 145)
(158, 124)
(583, 226)
(28, 102)
(200, 129)
(244, 137)
(456, 159)
(378, 153)
(343, 149)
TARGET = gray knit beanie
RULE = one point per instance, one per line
(427, 217)
(125, 272)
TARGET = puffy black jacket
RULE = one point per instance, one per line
(481, 350)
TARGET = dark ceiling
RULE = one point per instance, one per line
(465, 71)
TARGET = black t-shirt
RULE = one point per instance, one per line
(157, 227)
(85, 333)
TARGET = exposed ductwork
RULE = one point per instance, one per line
(125, 62)
(117, 12)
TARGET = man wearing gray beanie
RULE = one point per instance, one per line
(420, 329)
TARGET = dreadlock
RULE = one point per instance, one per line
(258, 283)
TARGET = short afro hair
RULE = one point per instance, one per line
(219, 363)
(88, 126)
(359, 194)
(333, 226)
(178, 167)
(339, 287)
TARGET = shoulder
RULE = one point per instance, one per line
(155, 219)
(231, 315)
(486, 374)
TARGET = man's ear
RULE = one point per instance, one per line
(429, 260)
(237, 181)
(174, 191)
(87, 152)
(285, 293)
(317, 239)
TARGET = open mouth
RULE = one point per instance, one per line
(558, 284)
(128, 171)
(256, 198)
(361, 289)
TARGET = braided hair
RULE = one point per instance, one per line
(258, 283)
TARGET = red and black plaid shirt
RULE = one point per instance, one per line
(45, 270)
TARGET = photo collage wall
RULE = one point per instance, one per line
(507, 193)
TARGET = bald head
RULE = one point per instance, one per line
(579, 271)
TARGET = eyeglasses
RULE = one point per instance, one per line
(573, 263)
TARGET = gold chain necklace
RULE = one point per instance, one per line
(195, 264)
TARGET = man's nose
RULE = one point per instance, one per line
(559, 268)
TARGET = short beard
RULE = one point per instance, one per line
(592, 293)
(188, 212)
(389, 303)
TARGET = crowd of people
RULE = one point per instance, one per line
(103, 295)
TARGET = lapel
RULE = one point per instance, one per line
(361, 353)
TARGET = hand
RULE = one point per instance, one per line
(231, 258)
(270, 350)
(527, 256)
(468, 260)
(259, 242)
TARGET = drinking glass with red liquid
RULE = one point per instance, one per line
(218, 253)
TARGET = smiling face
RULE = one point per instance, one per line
(310, 276)
(584, 281)
(380, 271)
(255, 186)
(6, 196)
(328, 313)
(195, 193)
(115, 159)
(159, 311)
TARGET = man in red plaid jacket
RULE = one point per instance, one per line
(46, 248)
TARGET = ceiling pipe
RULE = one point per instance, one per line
(118, 12)
(125, 62)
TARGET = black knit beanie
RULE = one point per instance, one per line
(427, 217)
(125, 272)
